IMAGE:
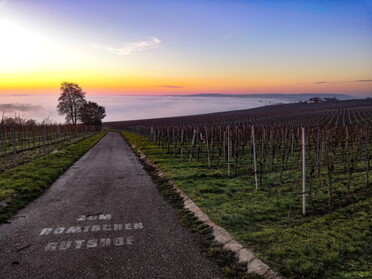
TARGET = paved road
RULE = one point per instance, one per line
(102, 219)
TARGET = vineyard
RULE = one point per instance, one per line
(21, 139)
(292, 182)
(326, 148)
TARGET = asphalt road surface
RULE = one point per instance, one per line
(103, 218)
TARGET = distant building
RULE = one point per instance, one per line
(318, 100)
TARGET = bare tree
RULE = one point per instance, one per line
(71, 100)
(92, 114)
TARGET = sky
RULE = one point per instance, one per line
(156, 47)
(186, 47)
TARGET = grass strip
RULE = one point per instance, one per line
(20, 185)
(27, 155)
(330, 244)
(201, 233)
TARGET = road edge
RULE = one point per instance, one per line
(243, 255)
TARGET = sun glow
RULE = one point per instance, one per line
(25, 50)
(20, 49)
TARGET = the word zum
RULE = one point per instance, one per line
(94, 217)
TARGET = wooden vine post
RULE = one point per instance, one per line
(367, 158)
(192, 144)
(182, 144)
(14, 145)
(2, 138)
(228, 151)
(206, 139)
(303, 172)
(43, 136)
(254, 157)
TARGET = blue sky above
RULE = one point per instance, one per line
(200, 46)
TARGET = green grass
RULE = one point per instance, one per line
(24, 183)
(202, 234)
(27, 155)
(326, 244)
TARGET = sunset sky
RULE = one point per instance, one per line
(186, 47)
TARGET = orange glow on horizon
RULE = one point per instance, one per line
(262, 50)
(98, 83)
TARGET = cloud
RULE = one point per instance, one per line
(19, 107)
(20, 95)
(142, 107)
(170, 86)
(363, 80)
(359, 80)
(128, 48)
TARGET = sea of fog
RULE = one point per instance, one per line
(123, 107)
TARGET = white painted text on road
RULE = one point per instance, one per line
(91, 243)
(91, 228)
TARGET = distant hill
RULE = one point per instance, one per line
(337, 113)
(294, 97)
